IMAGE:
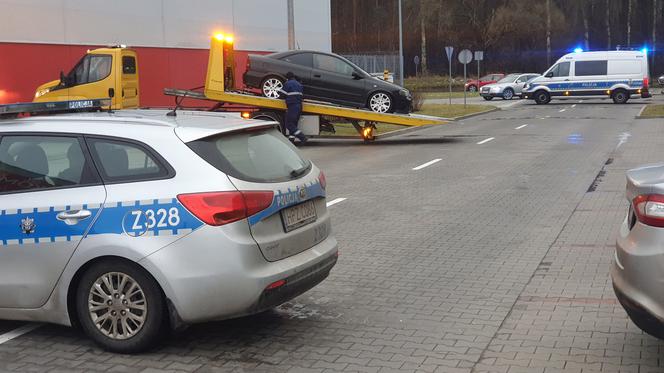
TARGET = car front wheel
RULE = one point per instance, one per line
(272, 86)
(380, 102)
(472, 88)
(120, 306)
(508, 94)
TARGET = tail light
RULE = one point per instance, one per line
(219, 208)
(646, 82)
(322, 180)
(649, 209)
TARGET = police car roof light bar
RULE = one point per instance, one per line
(44, 108)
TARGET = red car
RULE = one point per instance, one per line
(473, 85)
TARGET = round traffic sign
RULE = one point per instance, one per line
(465, 56)
(416, 60)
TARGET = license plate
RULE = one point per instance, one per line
(298, 216)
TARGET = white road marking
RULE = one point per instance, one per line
(485, 141)
(623, 138)
(561, 110)
(573, 106)
(18, 332)
(427, 164)
(335, 201)
(521, 126)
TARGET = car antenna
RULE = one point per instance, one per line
(178, 101)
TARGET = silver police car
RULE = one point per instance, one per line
(638, 267)
(131, 222)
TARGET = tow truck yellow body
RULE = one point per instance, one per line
(101, 73)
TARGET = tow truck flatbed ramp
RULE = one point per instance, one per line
(308, 107)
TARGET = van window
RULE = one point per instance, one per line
(128, 65)
(561, 69)
(587, 68)
(624, 67)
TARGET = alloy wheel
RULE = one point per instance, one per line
(380, 102)
(117, 305)
(272, 87)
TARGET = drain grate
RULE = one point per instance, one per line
(599, 177)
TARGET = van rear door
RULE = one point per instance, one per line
(129, 80)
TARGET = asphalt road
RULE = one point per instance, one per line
(479, 246)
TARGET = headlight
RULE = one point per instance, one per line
(42, 92)
(404, 92)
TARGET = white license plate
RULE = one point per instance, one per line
(298, 216)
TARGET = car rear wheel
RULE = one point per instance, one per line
(472, 88)
(542, 97)
(508, 94)
(380, 102)
(272, 86)
(620, 96)
(120, 306)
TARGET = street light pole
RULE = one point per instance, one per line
(400, 46)
(291, 25)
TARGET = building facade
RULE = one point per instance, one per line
(40, 38)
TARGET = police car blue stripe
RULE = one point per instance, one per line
(287, 199)
(129, 217)
(588, 85)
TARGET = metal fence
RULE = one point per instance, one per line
(376, 63)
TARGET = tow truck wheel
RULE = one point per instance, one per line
(542, 97)
(120, 306)
(271, 86)
(380, 102)
(620, 96)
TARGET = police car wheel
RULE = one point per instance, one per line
(620, 96)
(120, 306)
(542, 97)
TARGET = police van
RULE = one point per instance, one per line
(619, 75)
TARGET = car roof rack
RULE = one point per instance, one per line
(54, 107)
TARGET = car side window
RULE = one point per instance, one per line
(128, 65)
(332, 64)
(486, 77)
(588, 68)
(523, 79)
(32, 162)
(123, 161)
(302, 59)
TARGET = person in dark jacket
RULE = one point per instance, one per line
(293, 92)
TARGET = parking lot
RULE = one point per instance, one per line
(486, 249)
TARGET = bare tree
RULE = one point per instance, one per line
(586, 27)
(654, 33)
(548, 32)
(629, 23)
(607, 23)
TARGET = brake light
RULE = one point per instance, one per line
(646, 82)
(649, 209)
(322, 180)
(219, 208)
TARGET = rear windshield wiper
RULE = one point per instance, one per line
(299, 172)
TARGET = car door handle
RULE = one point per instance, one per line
(316, 75)
(73, 216)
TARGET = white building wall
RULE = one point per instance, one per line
(258, 25)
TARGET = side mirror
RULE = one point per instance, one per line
(549, 74)
(63, 79)
(356, 76)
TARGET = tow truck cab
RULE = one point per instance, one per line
(101, 73)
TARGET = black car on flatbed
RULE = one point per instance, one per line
(326, 77)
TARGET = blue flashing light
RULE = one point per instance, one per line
(578, 50)
(644, 50)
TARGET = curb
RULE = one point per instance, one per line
(639, 116)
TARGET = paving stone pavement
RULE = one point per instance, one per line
(493, 260)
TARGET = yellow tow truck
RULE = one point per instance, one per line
(102, 73)
(220, 76)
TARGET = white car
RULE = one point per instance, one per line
(129, 222)
(507, 87)
(619, 75)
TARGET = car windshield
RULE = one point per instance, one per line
(509, 78)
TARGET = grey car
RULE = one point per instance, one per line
(638, 267)
(131, 222)
(507, 87)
